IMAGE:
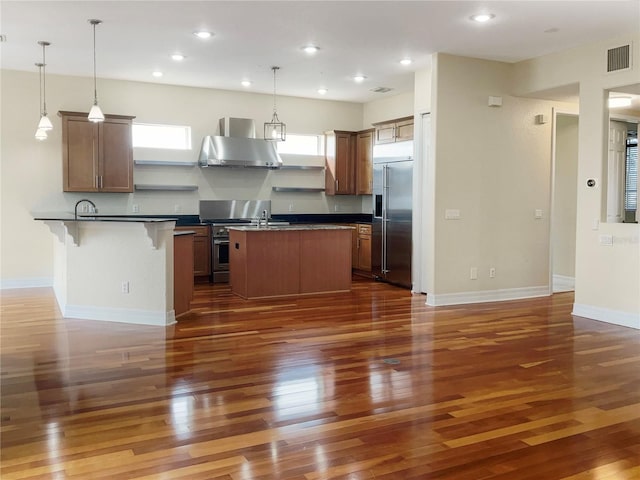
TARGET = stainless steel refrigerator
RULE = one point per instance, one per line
(392, 210)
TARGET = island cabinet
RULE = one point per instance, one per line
(282, 262)
(340, 151)
(201, 251)
(97, 157)
(364, 162)
(182, 272)
(397, 130)
(363, 246)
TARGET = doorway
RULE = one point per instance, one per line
(564, 202)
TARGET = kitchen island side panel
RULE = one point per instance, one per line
(325, 261)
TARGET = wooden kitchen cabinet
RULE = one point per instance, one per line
(201, 250)
(96, 157)
(363, 246)
(392, 131)
(364, 162)
(340, 150)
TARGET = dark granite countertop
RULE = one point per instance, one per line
(69, 217)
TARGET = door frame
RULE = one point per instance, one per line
(552, 204)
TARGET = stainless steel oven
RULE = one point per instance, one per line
(220, 258)
(221, 214)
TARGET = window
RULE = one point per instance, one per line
(301, 144)
(631, 172)
(148, 135)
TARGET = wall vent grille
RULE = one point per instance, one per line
(619, 58)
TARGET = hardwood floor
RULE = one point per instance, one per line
(371, 384)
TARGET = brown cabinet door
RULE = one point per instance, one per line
(404, 130)
(364, 253)
(386, 133)
(116, 157)
(364, 163)
(79, 155)
(201, 256)
(340, 149)
(96, 157)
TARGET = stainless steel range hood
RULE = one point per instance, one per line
(236, 146)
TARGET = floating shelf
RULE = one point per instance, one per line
(301, 167)
(175, 188)
(297, 189)
(165, 164)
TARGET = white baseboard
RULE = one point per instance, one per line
(122, 315)
(487, 296)
(624, 319)
(33, 282)
(562, 283)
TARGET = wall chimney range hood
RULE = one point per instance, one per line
(236, 146)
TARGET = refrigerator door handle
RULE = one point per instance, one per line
(385, 205)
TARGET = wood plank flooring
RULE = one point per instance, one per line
(371, 384)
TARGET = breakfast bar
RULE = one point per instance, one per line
(285, 260)
(113, 268)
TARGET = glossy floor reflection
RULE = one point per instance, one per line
(361, 385)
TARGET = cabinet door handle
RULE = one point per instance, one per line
(97, 182)
(337, 185)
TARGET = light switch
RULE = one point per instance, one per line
(538, 214)
(451, 214)
(606, 240)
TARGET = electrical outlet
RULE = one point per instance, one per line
(125, 286)
(473, 274)
(177, 208)
(291, 207)
(135, 208)
(492, 272)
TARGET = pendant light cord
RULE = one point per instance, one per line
(274, 89)
(44, 81)
(40, 83)
(95, 81)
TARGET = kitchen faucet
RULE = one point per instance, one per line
(75, 210)
(264, 217)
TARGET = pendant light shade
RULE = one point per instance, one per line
(44, 125)
(95, 114)
(41, 134)
(275, 130)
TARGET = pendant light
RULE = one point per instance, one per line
(275, 130)
(95, 114)
(41, 133)
(44, 124)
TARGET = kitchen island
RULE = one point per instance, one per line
(276, 261)
(113, 268)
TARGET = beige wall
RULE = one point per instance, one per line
(607, 277)
(31, 171)
(493, 165)
(387, 108)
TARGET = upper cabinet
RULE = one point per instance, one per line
(364, 162)
(340, 150)
(97, 157)
(394, 130)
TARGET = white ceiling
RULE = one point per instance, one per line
(367, 37)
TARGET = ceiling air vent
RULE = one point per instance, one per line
(619, 58)
(381, 89)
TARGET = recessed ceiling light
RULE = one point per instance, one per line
(482, 17)
(245, 83)
(310, 49)
(617, 102)
(322, 91)
(406, 61)
(359, 78)
(157, 74)
(203, 34)
(178, 57)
